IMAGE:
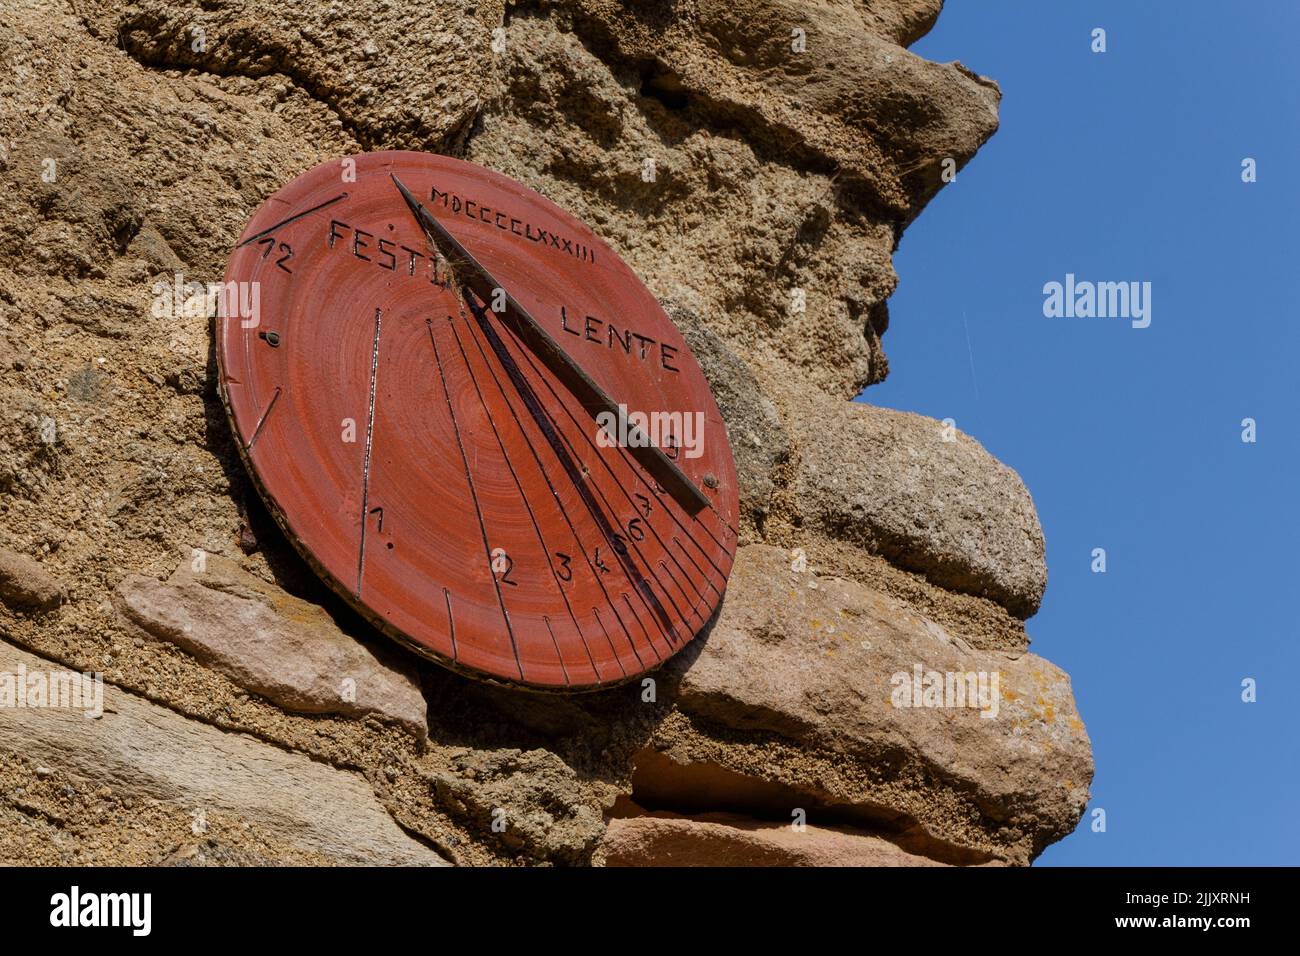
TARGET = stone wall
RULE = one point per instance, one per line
(136, 141)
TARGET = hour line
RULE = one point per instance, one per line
(559, 448)
(370, 434)
(487, 550)
(293, 218)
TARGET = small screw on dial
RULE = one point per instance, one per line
(271, 338)
(710, 480)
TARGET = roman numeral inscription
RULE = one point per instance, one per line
(473, 209)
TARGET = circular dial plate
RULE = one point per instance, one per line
(432, 466)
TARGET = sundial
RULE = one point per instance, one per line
(476, 423)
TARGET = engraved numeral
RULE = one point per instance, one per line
(269, 244)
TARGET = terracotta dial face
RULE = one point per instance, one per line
(483, 430)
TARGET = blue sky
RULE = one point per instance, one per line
(1126, 166)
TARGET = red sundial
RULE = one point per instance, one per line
(438, 379)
